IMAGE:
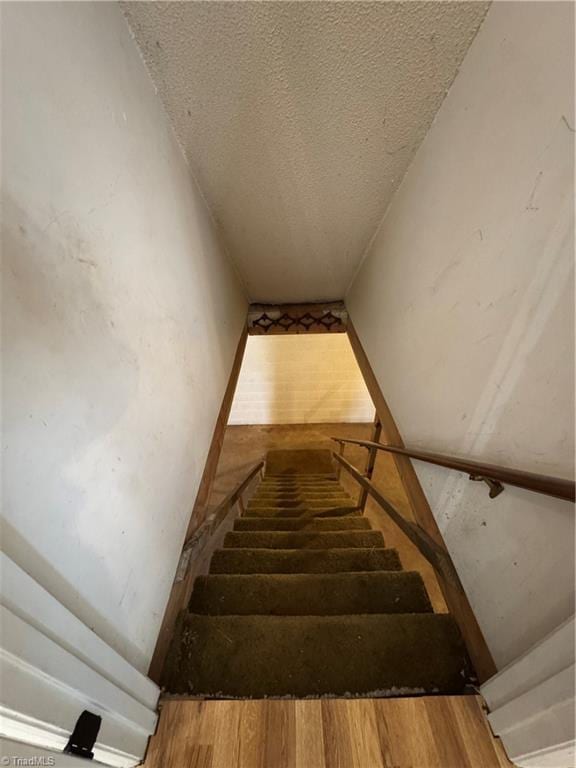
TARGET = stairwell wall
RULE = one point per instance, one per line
(464, 305)
(121, 319)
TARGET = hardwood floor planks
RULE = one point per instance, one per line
(362, 719)
(405, 734)
(337, 736)
(448, 741)
(280, 734)
(252, 734)
(310, 734)
(228, 723)
(470, 720)
(421, 732)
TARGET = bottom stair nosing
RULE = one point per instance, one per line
(259, 656)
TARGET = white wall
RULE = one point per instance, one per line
(465, 307)
(121, 319)
(300, 380)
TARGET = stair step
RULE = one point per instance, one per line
(288, 477)
(322, 501)
(301, 487)
(309, 487)
(305, 482)
(272, 496)
(322, 594)
(260, 656)
(347, 523)
(303, 479)
(303, 539)
(304, 561)
(281, 461)
(301, 512)
(295, 501)
(329, 494)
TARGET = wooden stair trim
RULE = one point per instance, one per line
(452, 589)
(181, 590)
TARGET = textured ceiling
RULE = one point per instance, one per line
(299, 120)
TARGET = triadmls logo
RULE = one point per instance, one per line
(35, 760)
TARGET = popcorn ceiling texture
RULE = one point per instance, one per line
(299, 121)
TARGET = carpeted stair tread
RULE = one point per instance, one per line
(348, 523)
(321, 594)
(302, 512)
(337, 501)
(299, 501)
(309, 485)
(308, 461)
(313, 490)
(260, 656)
(304, 561)
(308, 481)
(303, 539)
(272, 496)
(327, 482)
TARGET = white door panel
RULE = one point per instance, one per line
(531, 703)
(25, 598)
(53, 668)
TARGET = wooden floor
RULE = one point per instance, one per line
(427, 732)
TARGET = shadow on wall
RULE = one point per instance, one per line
(60, 395)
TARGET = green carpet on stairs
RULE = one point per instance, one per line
(289, 504)
(301, 512)
(303, 462)
(304, 599)
(314, 594)
(343, 523)
(303, 539)
(256, 656)
(304, 561)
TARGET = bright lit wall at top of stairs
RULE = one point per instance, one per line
(300, 380)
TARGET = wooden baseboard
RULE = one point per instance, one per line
(181, 591)
(449, 581)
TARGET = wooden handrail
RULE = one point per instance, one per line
(435, 553)
(219, 512)
(492, 474)
(234, 495)
(213, 521)
(418, 536)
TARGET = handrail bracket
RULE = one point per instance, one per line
(495, 486)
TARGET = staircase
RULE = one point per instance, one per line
(304, 599)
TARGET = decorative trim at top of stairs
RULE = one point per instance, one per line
(272, 319)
